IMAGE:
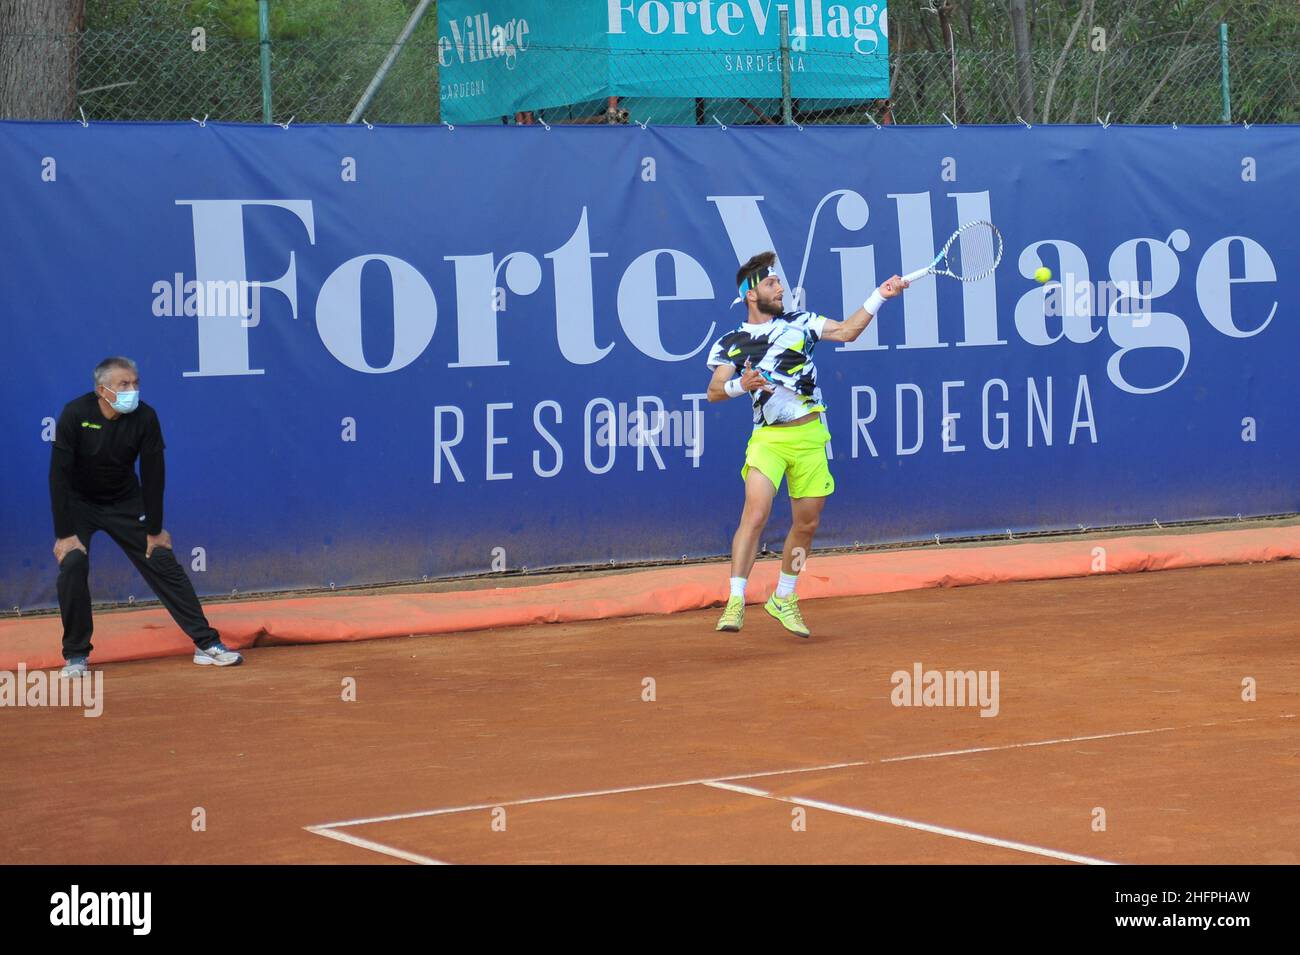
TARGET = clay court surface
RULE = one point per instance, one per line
(1116, 692)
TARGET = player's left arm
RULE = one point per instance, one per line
(853, 326)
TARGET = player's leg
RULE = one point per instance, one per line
(805, 516)
(168, 580)
(810, 483)
(759, 494)
(762, 474)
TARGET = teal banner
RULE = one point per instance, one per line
(500, 57)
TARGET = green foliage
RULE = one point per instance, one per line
(139, 59)
(1160, 62)
(985, 25)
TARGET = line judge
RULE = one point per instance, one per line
(93, 487)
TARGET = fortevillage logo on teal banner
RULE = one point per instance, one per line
(859, 28)
(498, 57)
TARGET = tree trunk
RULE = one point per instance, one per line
(1024, 65)
(1061, 60)
(929, 40)
(944, 12)
(39, 42)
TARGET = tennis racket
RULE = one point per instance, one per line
(972, 253)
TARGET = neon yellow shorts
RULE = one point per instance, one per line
(797, 452)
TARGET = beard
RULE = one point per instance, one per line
(771, 307)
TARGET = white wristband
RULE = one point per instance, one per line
(873, 304)
(733, 388)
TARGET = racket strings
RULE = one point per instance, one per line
(974, 252)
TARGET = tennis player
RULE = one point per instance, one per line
(93, 487)
(771, 351)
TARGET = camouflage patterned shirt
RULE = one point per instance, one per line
(781, 349)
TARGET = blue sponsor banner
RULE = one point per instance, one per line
(497, 57)
(485, 348)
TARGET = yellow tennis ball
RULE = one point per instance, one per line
(1042, 274)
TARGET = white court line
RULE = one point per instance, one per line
(478, 807)
(1045, 742)
(373, 846)
(912, 824)
(1077, 739)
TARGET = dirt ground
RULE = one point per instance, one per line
(1120, 704)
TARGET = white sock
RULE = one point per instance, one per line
(785, 586)
(737, 586)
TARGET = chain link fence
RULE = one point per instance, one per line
(168, 71)
(1124, 85)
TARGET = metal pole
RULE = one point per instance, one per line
(787, 116)
(382, 74)
(264, 30)
(1223, 59)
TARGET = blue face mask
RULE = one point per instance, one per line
(126, 401)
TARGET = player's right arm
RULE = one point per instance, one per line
(750, 380)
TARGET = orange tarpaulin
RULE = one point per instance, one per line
(142, 634)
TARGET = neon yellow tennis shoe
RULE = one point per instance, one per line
(733, 617)
(786, 609)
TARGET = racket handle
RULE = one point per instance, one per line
(919, 273)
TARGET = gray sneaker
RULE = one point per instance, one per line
(76, 666)
(217, 656)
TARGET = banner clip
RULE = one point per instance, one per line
(202, 122)
(1105, 123)
(448, 125)
(84, 122)
(950, 122)
(285, 125)
(369, 124)
(1027, 126)
(718, 121)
